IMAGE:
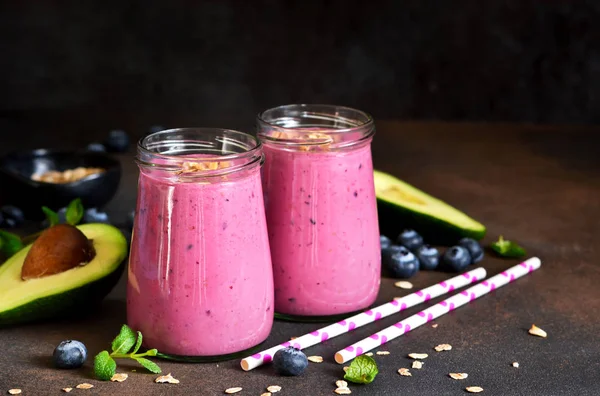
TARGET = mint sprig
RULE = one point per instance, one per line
(9, 243)
(74, 212)
(51, 216)
(506, 248)
(104, 363)
(362, 370)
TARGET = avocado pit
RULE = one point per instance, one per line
(58, 249)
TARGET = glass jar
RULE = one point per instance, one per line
(321, 210)
(200, 281)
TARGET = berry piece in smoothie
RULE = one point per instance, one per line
(401, 262)
(411, 239)
(69, 354)
(474, 249)
(384, 241)
(290, 361)
(428, 256)
(456, 259)
(117, 141)
(12, 216)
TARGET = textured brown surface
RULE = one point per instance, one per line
(537, 185)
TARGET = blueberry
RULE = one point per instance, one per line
(290, 361)
(92, 215)
(474, 249)
(400, 261)
(411, 239)
(456, 258)
(384, 241)
(69, 354)
(97, 147)
(117, 141)
(13, 216)
(428, 256)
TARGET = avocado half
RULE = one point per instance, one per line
(69, 292)
(402, 206)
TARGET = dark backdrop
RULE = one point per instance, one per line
(133, 64)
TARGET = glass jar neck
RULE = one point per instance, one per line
(315, 127)
(192, 153)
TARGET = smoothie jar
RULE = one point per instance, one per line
(321, 210)
(200, 281)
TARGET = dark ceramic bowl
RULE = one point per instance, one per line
(17, 188)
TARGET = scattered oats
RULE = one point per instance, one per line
(369, 354)
(536, 331)
(274, 388)
(405, 372)
(458, 376)
(119, 377)
(404, 285)
(417, 364)
(341, 384)
(383, 352)
(293, 338)
(435, 325)
(133, 370)
(67, 390)
(315, 359)
(166, 378)
(233, 390)
(346, 368)
(266, 394)
(14, 391)
(474, 389)
(443, 347)
(85, 385)
(343, 391)
(417, 355)
(515, 364)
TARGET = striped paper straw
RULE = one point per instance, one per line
(369, 316)
(437, 310)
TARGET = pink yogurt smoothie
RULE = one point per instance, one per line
(323, 230)
(200, 278)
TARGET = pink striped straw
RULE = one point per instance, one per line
(369, 316)
(437, 310)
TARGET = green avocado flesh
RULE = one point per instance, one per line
(71, 292)
(402, 206)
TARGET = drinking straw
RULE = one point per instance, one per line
(437, 310)
(396, 305)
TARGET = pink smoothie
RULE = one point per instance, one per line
(200, 277)
(323, 230)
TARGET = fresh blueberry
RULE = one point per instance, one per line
(411, 239)
(96, 147)
(92, 215)
(290, 361)
(428, 256)
(474, 249)
(69, 354)
(400, 261)
(456, 258)
(13, 216)
(117, 141)
(384, 241)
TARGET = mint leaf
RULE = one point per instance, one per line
(11, 243)
(104, 366)
(51, 216)
(506, 248)
(149, 365)
(138, 343)
(74, 212)
(124, 341)
(362, 370)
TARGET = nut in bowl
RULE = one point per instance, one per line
(31, 179)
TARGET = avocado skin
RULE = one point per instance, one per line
(394, 218)
(70, 303)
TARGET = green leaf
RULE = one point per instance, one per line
(149, 365)
(124, 341)
(506, 248)
(74, 212)
(104, 366)
(138, 343)
(51, 216)
(362, 370)
(152, 352)
(11, 243)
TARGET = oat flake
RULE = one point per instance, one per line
(435, 325)
(14, 391)
(417, 364)
(274, 388)
(383, 352)
(515, 364)
(346, 368)
(266, 394)
(315, 359)
(233, 390)
(166, 379)
(417, 355)
(405, 372)
(369, 354)
(85, 385)
(536, 331)
(67, 390)
(443, 347)
(119, 377)
(343, 391)
(474, 389)
(458, 376)
(341, 384)
(404, 285)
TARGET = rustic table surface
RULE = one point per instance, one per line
(537, 185)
